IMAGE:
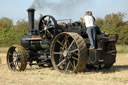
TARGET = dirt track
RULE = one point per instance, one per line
(117, 75)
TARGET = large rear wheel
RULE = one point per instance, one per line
(68, 52)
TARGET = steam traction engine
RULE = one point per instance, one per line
(63, 46)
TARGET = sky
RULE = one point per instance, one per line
(16, 9)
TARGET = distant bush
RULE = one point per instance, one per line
(11, 34)
(114, 24)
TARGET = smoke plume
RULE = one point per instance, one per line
(62, 8)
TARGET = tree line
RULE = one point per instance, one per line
(114, 24)
(11, 34)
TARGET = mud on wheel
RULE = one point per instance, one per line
(16, 58)
(68, 52)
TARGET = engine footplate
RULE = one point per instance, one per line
(95, 56)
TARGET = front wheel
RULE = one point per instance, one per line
(16, 58)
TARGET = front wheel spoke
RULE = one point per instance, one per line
(11, 54)
(61, 62)
(71, 44)
(15, 58)
(11, 63)
(16, 64)
(15, 50)
(75, 50)
(19, 64)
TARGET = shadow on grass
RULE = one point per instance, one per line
(115, 68)
(38, 68)
(118, 68)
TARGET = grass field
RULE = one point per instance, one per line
(122, 49)
(4, 49)
(117, 75)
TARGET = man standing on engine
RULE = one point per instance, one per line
(89, 22)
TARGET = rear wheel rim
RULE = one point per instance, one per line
(66, 53)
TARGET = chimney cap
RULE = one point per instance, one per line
(30, 9)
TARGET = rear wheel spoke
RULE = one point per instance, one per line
(66, 42)
(60, 53)
(74, 64)
(60, 43)
(75, 50)
(61, 62)
(74, 58)
(71, 44)
(67, 67)
(76, 54)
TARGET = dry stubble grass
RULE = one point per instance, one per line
(0, 61)
(3, 49)
(122, 49)
(117, 75)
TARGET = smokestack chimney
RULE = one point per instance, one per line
(31, 20)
